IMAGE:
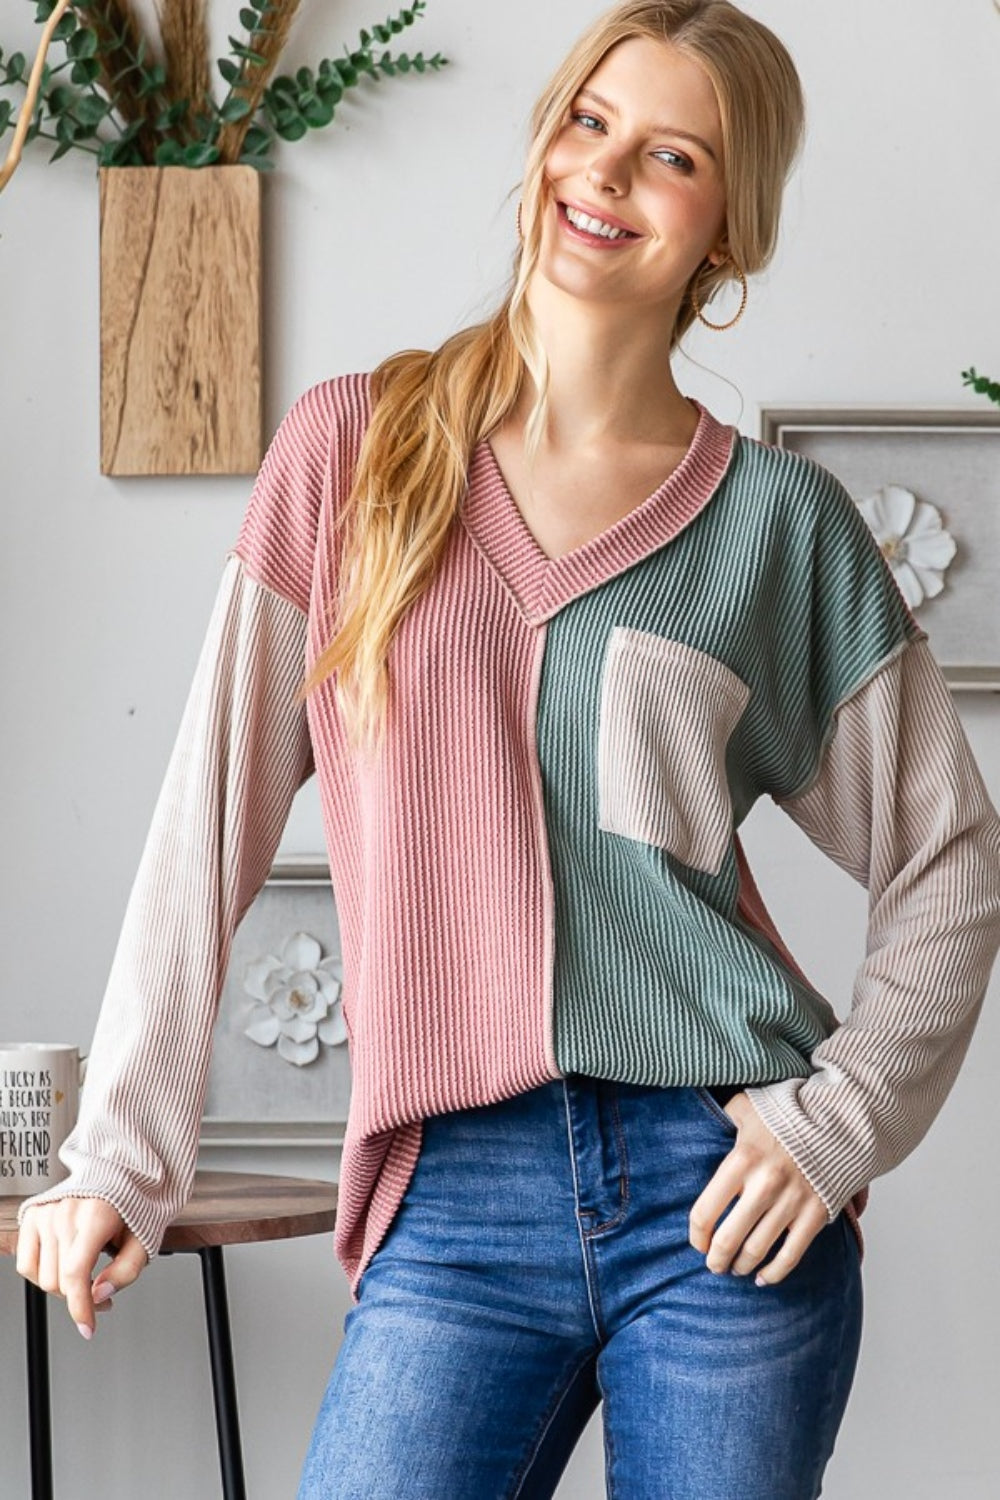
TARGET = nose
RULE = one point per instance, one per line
(607, 171)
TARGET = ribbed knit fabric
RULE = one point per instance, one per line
(542, 872)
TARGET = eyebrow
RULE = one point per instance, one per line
(684, 135)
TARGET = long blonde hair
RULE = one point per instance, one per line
(431, 407)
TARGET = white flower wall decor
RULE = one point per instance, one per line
(299, 1000)
(913, 540)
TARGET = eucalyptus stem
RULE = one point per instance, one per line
(982, 385)
(112, 87)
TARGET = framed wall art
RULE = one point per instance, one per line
(928, 483)
(280, 1073)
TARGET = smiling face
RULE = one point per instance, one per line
(641, 149)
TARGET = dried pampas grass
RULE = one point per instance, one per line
(118, 34)
(184, 33)
(253, 80)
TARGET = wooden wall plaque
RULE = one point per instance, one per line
(180, 320)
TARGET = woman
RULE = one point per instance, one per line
(561, 629)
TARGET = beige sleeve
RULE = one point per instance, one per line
(900, 804)
(241, 753)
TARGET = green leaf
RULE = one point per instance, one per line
(61, 99)
(229, 70)
(83, 44)
(248, 18)
(330, 91)
(317, 113)
(15, 65)
(6, 110)
(65, 27)
(256, 140)
(291, 128)
(247, 53)
(84, 71)
(168, 154)
(200, 154)
(92, 109)
(168, 118)
(403, 63)
(235, 109)
(305, 78)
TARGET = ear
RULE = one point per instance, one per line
(720, 251)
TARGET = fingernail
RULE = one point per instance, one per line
(86, 1330)
(104, 1291)
(759, 1281)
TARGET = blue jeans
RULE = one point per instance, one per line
(540, 1263)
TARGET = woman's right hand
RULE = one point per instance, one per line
(59, 1244)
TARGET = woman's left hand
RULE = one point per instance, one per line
(773, 1195)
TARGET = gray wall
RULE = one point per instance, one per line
(882, 292)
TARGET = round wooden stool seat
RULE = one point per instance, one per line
(225, 1208)
(229, 1208)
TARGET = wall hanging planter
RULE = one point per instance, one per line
(180, 208)
(180, 320)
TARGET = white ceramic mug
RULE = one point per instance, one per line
(39, 1098)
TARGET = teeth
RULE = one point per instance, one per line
(594, 226)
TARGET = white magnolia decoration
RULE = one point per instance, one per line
(299, 994)
(913, 541)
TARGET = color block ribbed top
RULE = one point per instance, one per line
(541, 872)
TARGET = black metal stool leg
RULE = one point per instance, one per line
(36, 1323)
(227, 1421)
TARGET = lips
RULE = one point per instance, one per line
(602, 214)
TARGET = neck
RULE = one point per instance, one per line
(610, 380)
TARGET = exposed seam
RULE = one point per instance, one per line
(624, 1184)
(712, 1107)
(816, 1488)
(594, 1314)
(526, 1470)
(832, 726)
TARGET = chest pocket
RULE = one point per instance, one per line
(667, 711)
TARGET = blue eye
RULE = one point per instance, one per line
(681, 162)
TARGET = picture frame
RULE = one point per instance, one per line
(949, 457)
(254, 1096)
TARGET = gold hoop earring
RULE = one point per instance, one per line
(721, 327)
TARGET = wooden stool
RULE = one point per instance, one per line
(225, 1208)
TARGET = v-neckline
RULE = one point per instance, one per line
(540, 584)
